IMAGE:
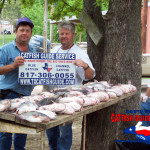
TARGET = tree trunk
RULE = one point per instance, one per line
(2, 3)
(118, 60)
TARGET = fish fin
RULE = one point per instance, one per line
(57, 100)
(69, 88)
(83, 87)
(17, 111)
(129, 82)
(92, 90)
(14, 110)
(95, 81)
(53, 102)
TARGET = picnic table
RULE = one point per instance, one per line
(9, 123)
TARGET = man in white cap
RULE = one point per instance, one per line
(84, 71)
(9, 86)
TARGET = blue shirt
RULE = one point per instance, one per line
(145, 107)
(9, 81)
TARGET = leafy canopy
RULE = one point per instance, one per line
(11, 11)
(34, 9)
(63, 8)
(36, 14)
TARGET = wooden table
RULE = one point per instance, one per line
(9, 123)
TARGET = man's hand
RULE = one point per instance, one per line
(80, 63)
(18, 61)
(7, 68)
(88, 72)
(144, 98)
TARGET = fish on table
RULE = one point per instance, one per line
(26, 107)
(89, 101)
(68, 110)
(50, 114)
(14, 106)
(46, 94)
(75, 106)
(33, 116)
(48, 100)
(4, 104)
(66, 89)
(80, 88)
(111, 94)
(45, 105)
(55, 107)
(76, 93)
(71, 99)
(115, 89)
(100, 95)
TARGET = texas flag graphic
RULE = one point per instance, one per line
(47, 67)
(142, 131)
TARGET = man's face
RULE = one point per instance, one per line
(23, 34)
(66, 38)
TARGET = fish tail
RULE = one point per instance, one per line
(108, 82)
(69, 88)
(129, 82)
(83, 87)
(17, 112)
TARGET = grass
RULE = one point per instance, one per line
(8, 38)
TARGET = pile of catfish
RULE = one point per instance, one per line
(44, 106)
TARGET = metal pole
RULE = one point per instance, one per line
(51, 26)
(80, 38)
(51, 33)
(3, 38)
(45, 33)
(45, 27)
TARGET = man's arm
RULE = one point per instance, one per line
(7, 68)
(148, 92)
(88, 73)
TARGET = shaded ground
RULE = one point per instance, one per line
(34, 141)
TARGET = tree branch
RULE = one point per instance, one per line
(71, 6)
(2, 6)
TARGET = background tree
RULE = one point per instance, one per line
(117, 59)
(1, 5)
(36, 14)
(11, 11)
(67, 8)
(26, 3)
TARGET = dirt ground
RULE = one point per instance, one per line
(34, 140)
